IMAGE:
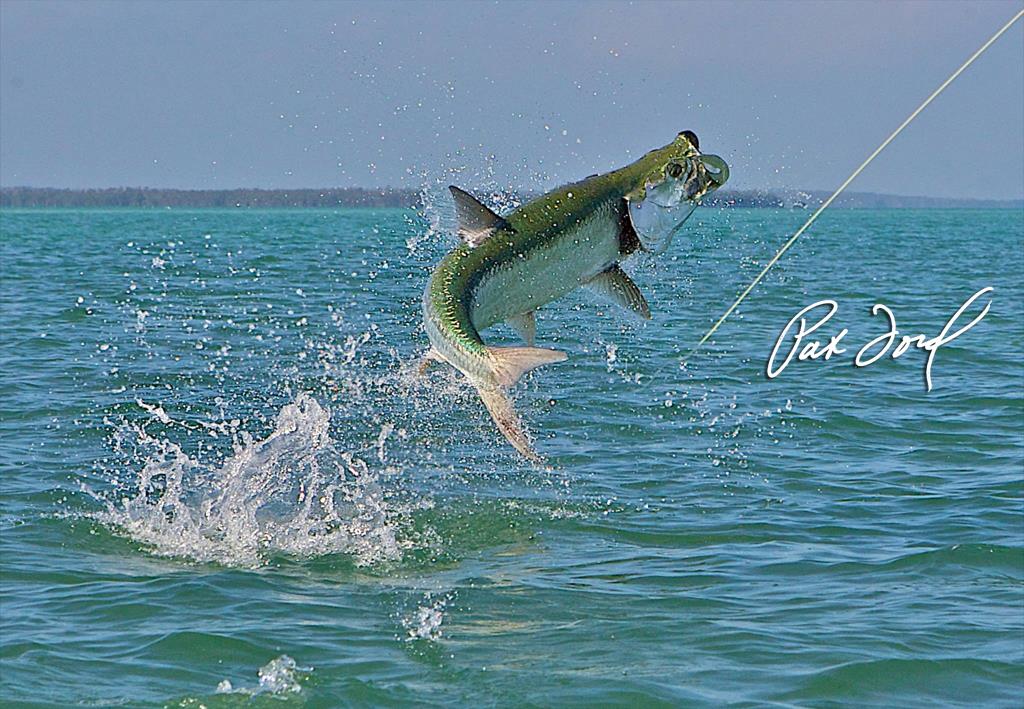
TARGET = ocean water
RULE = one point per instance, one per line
(223, 485)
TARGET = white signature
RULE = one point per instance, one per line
(814, 349)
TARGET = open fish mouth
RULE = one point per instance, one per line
(666, 204)
(715, 171)
(688, 179)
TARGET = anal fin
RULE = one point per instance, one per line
(613, 284)
(525, 325)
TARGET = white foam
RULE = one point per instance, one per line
(294, 492)
(425, 623)
(279, 676)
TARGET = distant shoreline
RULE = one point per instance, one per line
(326, 198)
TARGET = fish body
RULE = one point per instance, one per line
(508, 267)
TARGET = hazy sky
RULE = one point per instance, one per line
(229, 94)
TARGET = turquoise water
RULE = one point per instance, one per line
(223, 485)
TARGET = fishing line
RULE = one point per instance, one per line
(853, 175)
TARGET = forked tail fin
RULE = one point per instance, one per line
(500, 407)
(509, 364)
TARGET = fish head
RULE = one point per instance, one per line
(675, 178)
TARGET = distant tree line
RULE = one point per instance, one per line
(14, 197)
(249, 198)
(744, 198)
(145, 197)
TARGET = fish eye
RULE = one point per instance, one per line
(692, 137)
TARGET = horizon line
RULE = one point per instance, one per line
(765, 191)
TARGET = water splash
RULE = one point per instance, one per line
(291, 421)
(278, 677)
(294, 492)
(425, 622)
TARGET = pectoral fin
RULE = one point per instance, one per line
(613, 284)
(525, 326)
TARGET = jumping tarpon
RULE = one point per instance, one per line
(506, 267)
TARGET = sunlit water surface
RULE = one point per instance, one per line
(224, 485)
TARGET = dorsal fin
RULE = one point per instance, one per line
(476, 220)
